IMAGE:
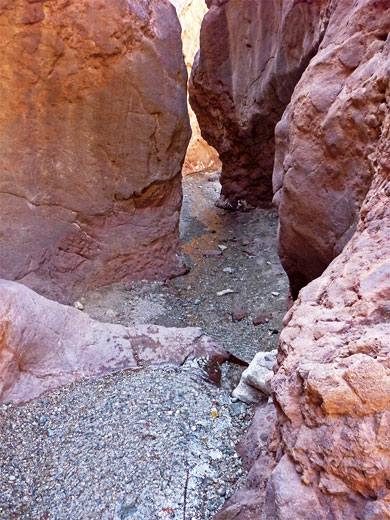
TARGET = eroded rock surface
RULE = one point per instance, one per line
(333, 382)
(325, 138)
(332, 385)
(44, 345)
(252, 55)
(93, 127)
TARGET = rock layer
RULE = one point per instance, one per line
(251, 57)
(44, 345)
(93, 132)
(325, 138)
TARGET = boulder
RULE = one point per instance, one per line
(44, 345)
(252, 55)
(93, 133)
(325, 139)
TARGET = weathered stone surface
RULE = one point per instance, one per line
(255, 380)
(252, 54)
(44, 344)
(332, 385)
(200, 155)
(93, 132)
(325, 138)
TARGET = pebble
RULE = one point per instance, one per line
(212, 252)
(222, 248)
(225, 291)
(229, 270)
(79, 306)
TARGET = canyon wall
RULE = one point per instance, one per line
(330, 449)
(332, 385)
(252, 55)
(200, 155)
(325, 138)
(93, 133)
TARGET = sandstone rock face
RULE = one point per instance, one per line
(325, 138)
(93, 132)
(200, 155)
(252, 54)
(332, 385)
(44, 345)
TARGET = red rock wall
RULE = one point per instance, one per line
(325, 138)
(93, 132)
(332, 386)
(332, 189)
(251, 57)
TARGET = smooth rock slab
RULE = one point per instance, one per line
(44, 345)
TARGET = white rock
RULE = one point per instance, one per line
(226, 291)
(79, 306)
(255, 380)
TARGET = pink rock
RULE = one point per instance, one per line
(94, 128)
(325, 138)
(332, 384)
(252, 54)
(44, 345)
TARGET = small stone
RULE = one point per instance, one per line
(229, 270)
(239, 314)
(225, 291)
(221, 491)
(197, 302)
(260, 319)
(275, 293)
(212, 253)
(222, 248)
(79, 306)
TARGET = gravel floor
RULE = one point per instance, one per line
(154, 443)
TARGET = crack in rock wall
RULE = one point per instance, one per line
(200, 155)
(252, 55)
(94, 128)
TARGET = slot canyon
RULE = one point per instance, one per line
(195, 259)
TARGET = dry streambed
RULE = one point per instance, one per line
(155, 443)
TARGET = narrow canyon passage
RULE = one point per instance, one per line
(156, 442)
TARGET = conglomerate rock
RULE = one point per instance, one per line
(200, 155)
(325, 138)
(252, 54)
(93, 132)
(44, 345)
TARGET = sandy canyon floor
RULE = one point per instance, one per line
(157, 443)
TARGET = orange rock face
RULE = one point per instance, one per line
(252, 55)
(93, 132)
(325, 138)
